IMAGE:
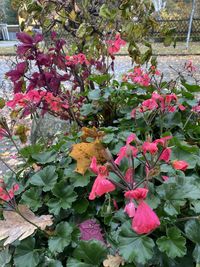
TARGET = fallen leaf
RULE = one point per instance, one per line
(15, 227)
(83, 153)
(113, 261)
(91, 132)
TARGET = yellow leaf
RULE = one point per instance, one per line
(91, 132)
(113, 261)
(16, 227)
(84, 152)
(72, 15)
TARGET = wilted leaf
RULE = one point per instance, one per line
(15, 227)
(91, 132)
(113, 261)
(84, 152)
(21, 131)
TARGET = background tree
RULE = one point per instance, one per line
(2, 12)
(11, 15)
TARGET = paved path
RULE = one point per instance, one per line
(122, 65)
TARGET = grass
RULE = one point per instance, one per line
(158, 48)
(7, 51)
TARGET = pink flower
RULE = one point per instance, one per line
(7, 196)
(149, 147)
(115, 45)
(181, 107)
(133, 113)
(149, 104)
(130, 209)
(190, 67)
(180, 165)
(101, 185)
(163, 141)
(16, 100)
(129, 175)
(145, 219)
(127, 150)
(166, 154)
(138, 194)
(165, 178)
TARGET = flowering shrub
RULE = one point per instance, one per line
(124, 188)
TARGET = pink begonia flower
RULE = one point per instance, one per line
(165, 178)
(101, 184)
(196, 109)
(145, 219)
(138, 194)
(180, 165)
(181, 107)
(133, 113)
(115, 45)
(149, 104)
(127, 149)
(7, 196)
(163, 141)
(149, 147)
(190, 67)
(129, 175)
(130, 209)
(16, 100)
(166, 154)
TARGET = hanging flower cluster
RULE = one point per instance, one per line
(151, 154)
(160, 102)
(138, 76)
(78, 59)
(34, 98)
(115, 45)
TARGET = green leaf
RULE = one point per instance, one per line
(134, 248)
(81, 205)
(62, 237)
(76, 263)
(54, 263)
(94, 94)
(30, 150)
(194, 88)
(65, 196)
(88, 254)
(26, 255)
(192, 230)
(99, 79)
(32, 198)
(77, 179)
(175, 193)
(5, 257)
(46, 178)
(45, 157)
(173, 244)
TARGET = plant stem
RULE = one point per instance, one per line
(188, 218)
(3, 161)
(187, 120)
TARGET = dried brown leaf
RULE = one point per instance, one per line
(91, 132)
(15, 227)
(113, 261)
(84, 152)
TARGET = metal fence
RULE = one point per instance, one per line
(180, 26)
